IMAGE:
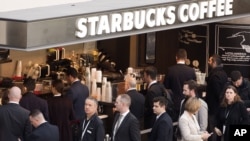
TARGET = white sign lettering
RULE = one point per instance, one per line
(240, 132)
(152, 17)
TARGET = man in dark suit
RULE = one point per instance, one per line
(175, 78)
(126, 126)
(14, 119)
(30, 101)
(153, 91)
(77, 92)
(163, 127)
(92, 128)
(137, 99)
(44, 131)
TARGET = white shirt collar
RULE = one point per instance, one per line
(159, 115)
(75, 80)
(180, 62)
(124, 114)
(131, 89)
(14, 102)
(56, 95)
(154, 81)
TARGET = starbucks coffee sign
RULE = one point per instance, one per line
(159, 16)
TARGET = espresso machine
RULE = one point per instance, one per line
(57, 62)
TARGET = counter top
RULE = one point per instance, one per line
(5, 61)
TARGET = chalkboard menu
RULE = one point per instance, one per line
(195, 40)
(233, 45)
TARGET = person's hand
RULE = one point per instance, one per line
(205, 135)
(248, 109)
(217, 131)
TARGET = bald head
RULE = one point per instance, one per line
(130, 82)
(15, 94)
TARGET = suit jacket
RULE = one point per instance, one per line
(61, 114)
(31, 102)
(174, 80)
(189, 127)
(14, 122)
(78, 93)
(45, 132)
(94, 131)
(149, 117)
(129, 129)
(201, 115)
(137, 103)
(162, 129)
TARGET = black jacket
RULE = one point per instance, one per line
(94, 131)
(243, 91)
(78, 93)
(31, 102)
(137, 103)
(162, 129)
(216, 80)
(129, 129)
(45, 132)
(14, 122)
(235, 114)
(175, 77)
(149, 117)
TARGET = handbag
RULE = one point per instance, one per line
(177, 133)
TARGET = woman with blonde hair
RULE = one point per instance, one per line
(188, 125)
(232, 111)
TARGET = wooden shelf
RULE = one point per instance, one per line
(5, 61)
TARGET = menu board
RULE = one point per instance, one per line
(195, 40)
(233, 45)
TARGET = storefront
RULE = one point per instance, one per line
(115, 24)
(46, 27)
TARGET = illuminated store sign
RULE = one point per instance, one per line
(152, 17)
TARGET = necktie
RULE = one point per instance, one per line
(118, 122)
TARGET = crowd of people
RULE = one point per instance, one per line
(27, 117)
